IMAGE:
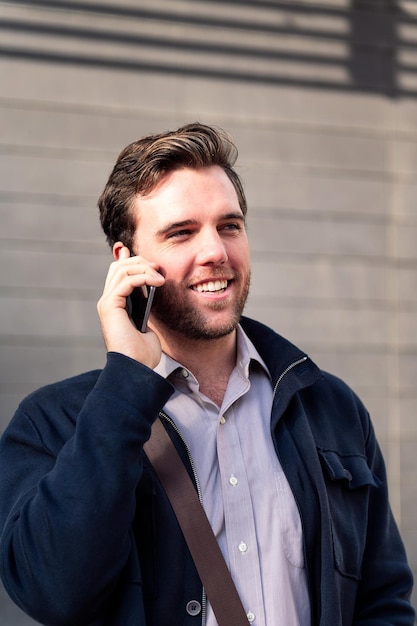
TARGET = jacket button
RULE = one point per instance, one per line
(193, 607)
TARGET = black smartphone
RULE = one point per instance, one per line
(139, 305)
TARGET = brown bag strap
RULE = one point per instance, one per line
(202, 543)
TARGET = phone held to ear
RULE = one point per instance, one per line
(139, 305)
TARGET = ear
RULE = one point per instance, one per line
(120, 251)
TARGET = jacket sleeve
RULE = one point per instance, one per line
(67, 502)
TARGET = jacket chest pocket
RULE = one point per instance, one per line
(348, 481)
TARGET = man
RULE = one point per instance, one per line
(283, 455)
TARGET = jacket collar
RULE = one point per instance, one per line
(291, 369)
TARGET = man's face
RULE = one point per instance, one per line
(191, 224)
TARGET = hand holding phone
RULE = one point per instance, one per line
(119, 308)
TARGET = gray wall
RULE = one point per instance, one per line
(321, 99)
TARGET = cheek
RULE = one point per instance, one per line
(241, 255)
(175, 265)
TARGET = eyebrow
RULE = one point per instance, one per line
(174, 225)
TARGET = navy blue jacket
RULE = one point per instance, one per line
(87, 533)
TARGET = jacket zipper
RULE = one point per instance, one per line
(200, 497)
(288, 369)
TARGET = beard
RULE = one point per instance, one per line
(179, 315)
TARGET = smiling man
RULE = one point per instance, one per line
(192, 223)
(283, 455)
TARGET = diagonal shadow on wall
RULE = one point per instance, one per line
(254, 50)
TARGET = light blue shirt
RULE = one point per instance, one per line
(245, 493)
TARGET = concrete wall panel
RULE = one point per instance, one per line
(321, 99)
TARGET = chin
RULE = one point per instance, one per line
(209, 330)
(197, 327)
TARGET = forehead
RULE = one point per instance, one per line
(187, 193)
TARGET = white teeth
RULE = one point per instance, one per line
(212, 285)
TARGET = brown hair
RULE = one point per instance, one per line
(143, 164)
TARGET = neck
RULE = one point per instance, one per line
(211, 361)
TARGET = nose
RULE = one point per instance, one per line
(211, 248)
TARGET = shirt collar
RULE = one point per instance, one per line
(246, 352)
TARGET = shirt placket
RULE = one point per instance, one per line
(242, 546)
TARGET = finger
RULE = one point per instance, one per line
(123, 276)
(140, 260)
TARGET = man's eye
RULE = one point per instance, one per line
(179, 233)
(231, 226)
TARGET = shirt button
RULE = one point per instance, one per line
(233, 480)
(250, 616)
(242, 547)
(193, 607)
(184, 373)
(222, 420)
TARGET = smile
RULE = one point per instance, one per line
(211, 286)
